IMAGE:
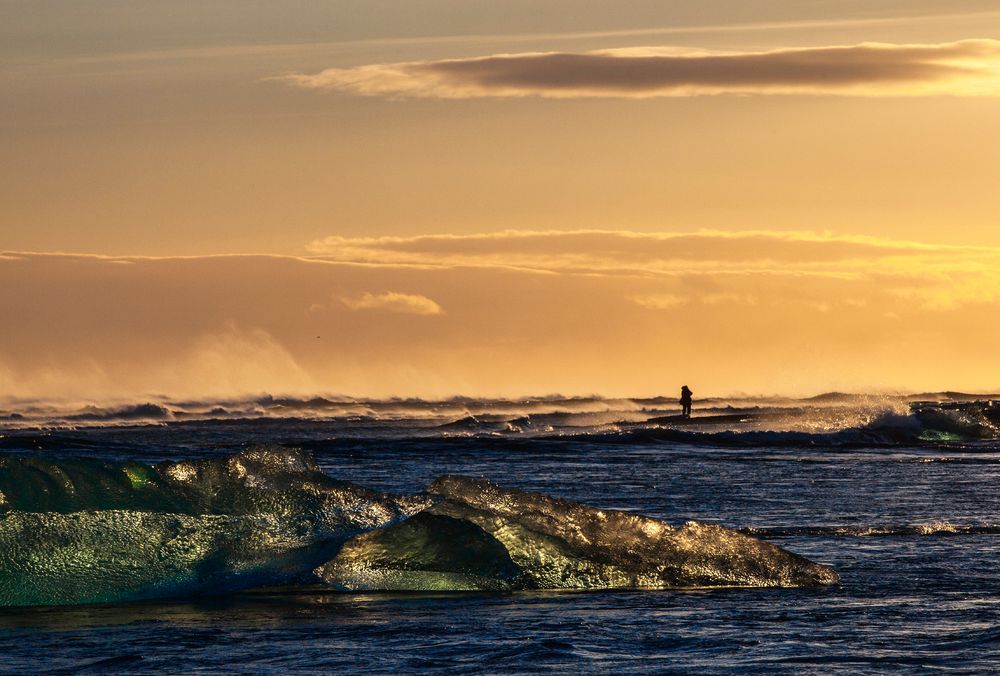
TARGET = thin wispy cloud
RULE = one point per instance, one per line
(659, 301)
(963, 68)
(391, 301)
(934, 277)
(667, 301)
(617, 252)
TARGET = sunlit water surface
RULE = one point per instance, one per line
(913, 531)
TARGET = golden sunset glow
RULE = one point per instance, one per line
(499, 198)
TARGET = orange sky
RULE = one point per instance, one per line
(508, 198)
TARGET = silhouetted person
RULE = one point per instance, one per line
(686, 395)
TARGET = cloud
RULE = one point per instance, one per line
(659, 301)
(966, 67)
(669, 254)
(930, 277)
(723, 298)
(405, 303)
(668, 301)
(619, 313)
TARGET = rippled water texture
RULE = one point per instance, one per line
(913, 528)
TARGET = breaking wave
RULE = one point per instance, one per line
(919, 424)
(833, 420)
(145, 411)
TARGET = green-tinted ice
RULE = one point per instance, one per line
(84, 531)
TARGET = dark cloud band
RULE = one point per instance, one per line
(968, 67)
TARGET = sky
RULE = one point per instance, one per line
(397, 198)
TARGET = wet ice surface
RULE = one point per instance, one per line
(906, 601)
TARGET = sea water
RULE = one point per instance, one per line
(900, 497)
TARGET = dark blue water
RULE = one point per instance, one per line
(911, 529)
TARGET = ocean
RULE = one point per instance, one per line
(898, 494)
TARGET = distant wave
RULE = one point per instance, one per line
(829, 420)
(930, 528)
(145, 411)
(925, 423)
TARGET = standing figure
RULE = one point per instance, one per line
(686, 395)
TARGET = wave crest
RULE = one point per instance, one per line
(928, 528)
